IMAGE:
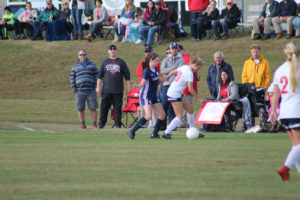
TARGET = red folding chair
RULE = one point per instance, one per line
(130, 108)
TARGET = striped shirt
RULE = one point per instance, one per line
(83, 76)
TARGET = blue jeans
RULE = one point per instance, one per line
(122, 29)
(76, 20)
(147, 33)
(94, 27)
(38, 27)
(195, 28)
(216, 24)
(296, 23)
(166, 104)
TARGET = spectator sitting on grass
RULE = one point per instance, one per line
(7, 23)
(43, 19)
(100, 15)
(25, 20)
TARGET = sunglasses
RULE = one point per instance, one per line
(112, 49)
(168, 52)
(147, 51)
(65, 4)
(229, 3)
(83, 54)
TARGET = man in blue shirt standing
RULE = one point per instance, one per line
(83, 80)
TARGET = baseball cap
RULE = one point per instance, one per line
(148, 48)
(173, 45)
(229, 1)
(180, 47)
(112, 47)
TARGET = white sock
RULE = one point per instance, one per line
(191, 120)
(298, 167)
(174, 123)
(293, 157)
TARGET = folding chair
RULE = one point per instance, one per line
(130, 109)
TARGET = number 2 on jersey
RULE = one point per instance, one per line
(284, 80)
(179, 74)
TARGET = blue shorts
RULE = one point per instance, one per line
(172, 99)
(150, 101)
(289, 124)
(82, 97)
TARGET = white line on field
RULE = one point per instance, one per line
(47, 131)
(26, 128)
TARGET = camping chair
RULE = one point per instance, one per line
(130, 109)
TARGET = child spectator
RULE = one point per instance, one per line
(7, 23)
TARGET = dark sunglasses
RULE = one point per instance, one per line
(229, 3)
(168, 52)
(112, 49)
(147, 51)
(83, 54)
(65, 4)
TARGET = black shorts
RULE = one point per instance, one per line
(289, 124)
(172, 99)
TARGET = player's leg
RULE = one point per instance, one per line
(159, 122)
(189, 112)
(141, 122)
(178, 109)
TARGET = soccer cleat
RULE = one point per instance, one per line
(131, 134)
(155, 136)
(166, 136)
(95, 126)
(284, 173)
(82, 126)
(201, 135)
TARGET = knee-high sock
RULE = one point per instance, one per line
(174, 123)
(139, 124)
(293, 156)
(157, 126)
(191, 120)
(298, 166)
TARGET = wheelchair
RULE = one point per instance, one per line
(258, 108)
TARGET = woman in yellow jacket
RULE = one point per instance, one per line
(256, 69)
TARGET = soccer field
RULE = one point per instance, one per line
(108, 165)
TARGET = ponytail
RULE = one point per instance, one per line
(292, 52)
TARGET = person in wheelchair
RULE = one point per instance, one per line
(228, 91)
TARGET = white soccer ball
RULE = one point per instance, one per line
(192, 133)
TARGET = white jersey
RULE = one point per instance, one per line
(290, 101)
(184, 75)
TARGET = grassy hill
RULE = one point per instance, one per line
(34, 78)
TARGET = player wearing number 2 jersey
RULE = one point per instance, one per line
(287, 84)
(183, 79)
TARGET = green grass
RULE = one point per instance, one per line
(108, 165)
(56, 161)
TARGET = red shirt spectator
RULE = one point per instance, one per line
(197, 5)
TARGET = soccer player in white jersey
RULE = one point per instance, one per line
(287, 84)
(179, 103)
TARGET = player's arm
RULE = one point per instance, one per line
(171, 74)
(192, 91)
(99, 85)
(275, 100)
